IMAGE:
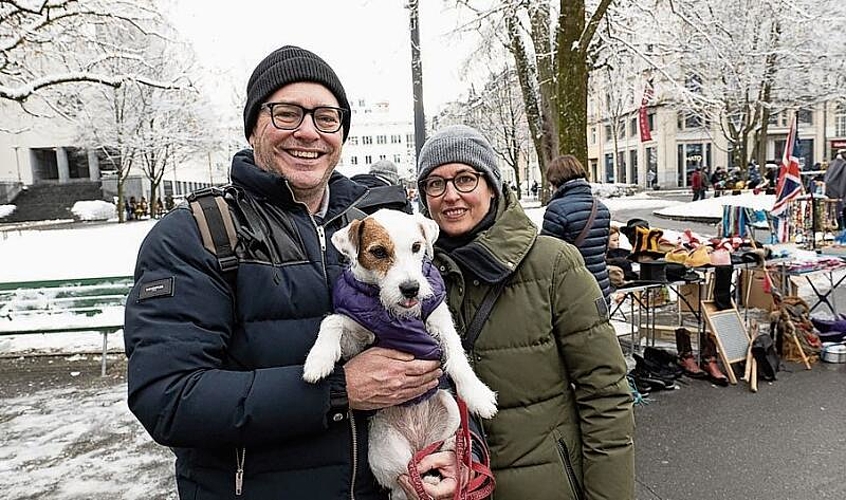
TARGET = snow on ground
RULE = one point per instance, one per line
(712, 208)
(94, 210)
(79, 444)
(7, 210)
(83, 443)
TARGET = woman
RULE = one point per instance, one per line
(575, 216)
(564, 428)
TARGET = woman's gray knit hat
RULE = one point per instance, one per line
(290, 64)
(459, 144)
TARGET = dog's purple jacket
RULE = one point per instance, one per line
(360, 302)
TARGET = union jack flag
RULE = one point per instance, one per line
(789, 180)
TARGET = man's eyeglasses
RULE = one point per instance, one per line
(285, 116)
(465, 182)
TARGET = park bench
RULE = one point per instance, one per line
(62, 306)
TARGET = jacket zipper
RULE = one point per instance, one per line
(568, 467)
(354, 455)
(240, 458)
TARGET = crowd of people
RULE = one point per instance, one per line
(135, 209)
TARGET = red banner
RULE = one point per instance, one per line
(643, 116)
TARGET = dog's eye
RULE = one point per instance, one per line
(415, 247)
(379, 252)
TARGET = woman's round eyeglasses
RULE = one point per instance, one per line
(465, 182)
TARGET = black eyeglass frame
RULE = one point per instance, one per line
(447, 180)
(342, 113)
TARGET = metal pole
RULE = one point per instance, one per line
(417, 79)
(18, 163)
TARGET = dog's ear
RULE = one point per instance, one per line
(347, 239)
(430, 231)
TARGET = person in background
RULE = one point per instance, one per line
(718, 179)
(577, 217)
(386, 190)
(835, 183)
(697, 185)
(216, 362)
(565, 426)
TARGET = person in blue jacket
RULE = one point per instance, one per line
(215, 369)
(577, 217)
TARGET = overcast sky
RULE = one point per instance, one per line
(367, 42)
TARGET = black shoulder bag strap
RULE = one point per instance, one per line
(472, 332)
(588, 225)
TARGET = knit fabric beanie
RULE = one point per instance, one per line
(290, 64)
(459, 144)
(386, 170)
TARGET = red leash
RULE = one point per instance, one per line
(482, 484)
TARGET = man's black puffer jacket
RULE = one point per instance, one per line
(565, 217)
(208, 375)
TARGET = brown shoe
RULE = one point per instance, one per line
(691, 369)
(715, 375)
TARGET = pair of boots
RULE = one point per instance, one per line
(709, 369)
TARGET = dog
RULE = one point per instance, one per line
(389, 252)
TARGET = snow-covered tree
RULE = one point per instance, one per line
(737, 63)
(48, 43)
(140, 125)
(552, 44)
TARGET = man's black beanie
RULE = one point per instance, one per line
(290, 64)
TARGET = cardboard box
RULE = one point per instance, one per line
(689, 296)
(758, 298)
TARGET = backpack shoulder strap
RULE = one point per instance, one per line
(217, 228)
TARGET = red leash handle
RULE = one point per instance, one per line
(482, 484)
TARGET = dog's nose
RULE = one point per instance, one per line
(409, 289)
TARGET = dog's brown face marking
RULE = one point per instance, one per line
(376, 250)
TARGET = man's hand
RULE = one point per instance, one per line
(444, 463)
(378, 378)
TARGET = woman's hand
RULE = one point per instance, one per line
(445, 464)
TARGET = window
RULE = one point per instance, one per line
(354, 160)
(633, 127)
(593, 135)
(353, 140)
(396, 139)
(609, 167)
(381, 139)
(397, 158)
(368, 159)
(382, 157)
(805, 116)
(840, 120)
(366, 139)
(409, 138)
(691, 120)
(651, 119)
(608, 135)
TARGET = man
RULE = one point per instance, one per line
(696, 184)
(386, 190)
(835, 182)
(215, 370)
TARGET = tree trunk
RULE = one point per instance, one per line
(572, 81)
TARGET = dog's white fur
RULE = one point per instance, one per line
(396, 433)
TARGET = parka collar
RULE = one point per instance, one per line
(571, 186)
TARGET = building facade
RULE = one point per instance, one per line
(377, 133)
(679, 144)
